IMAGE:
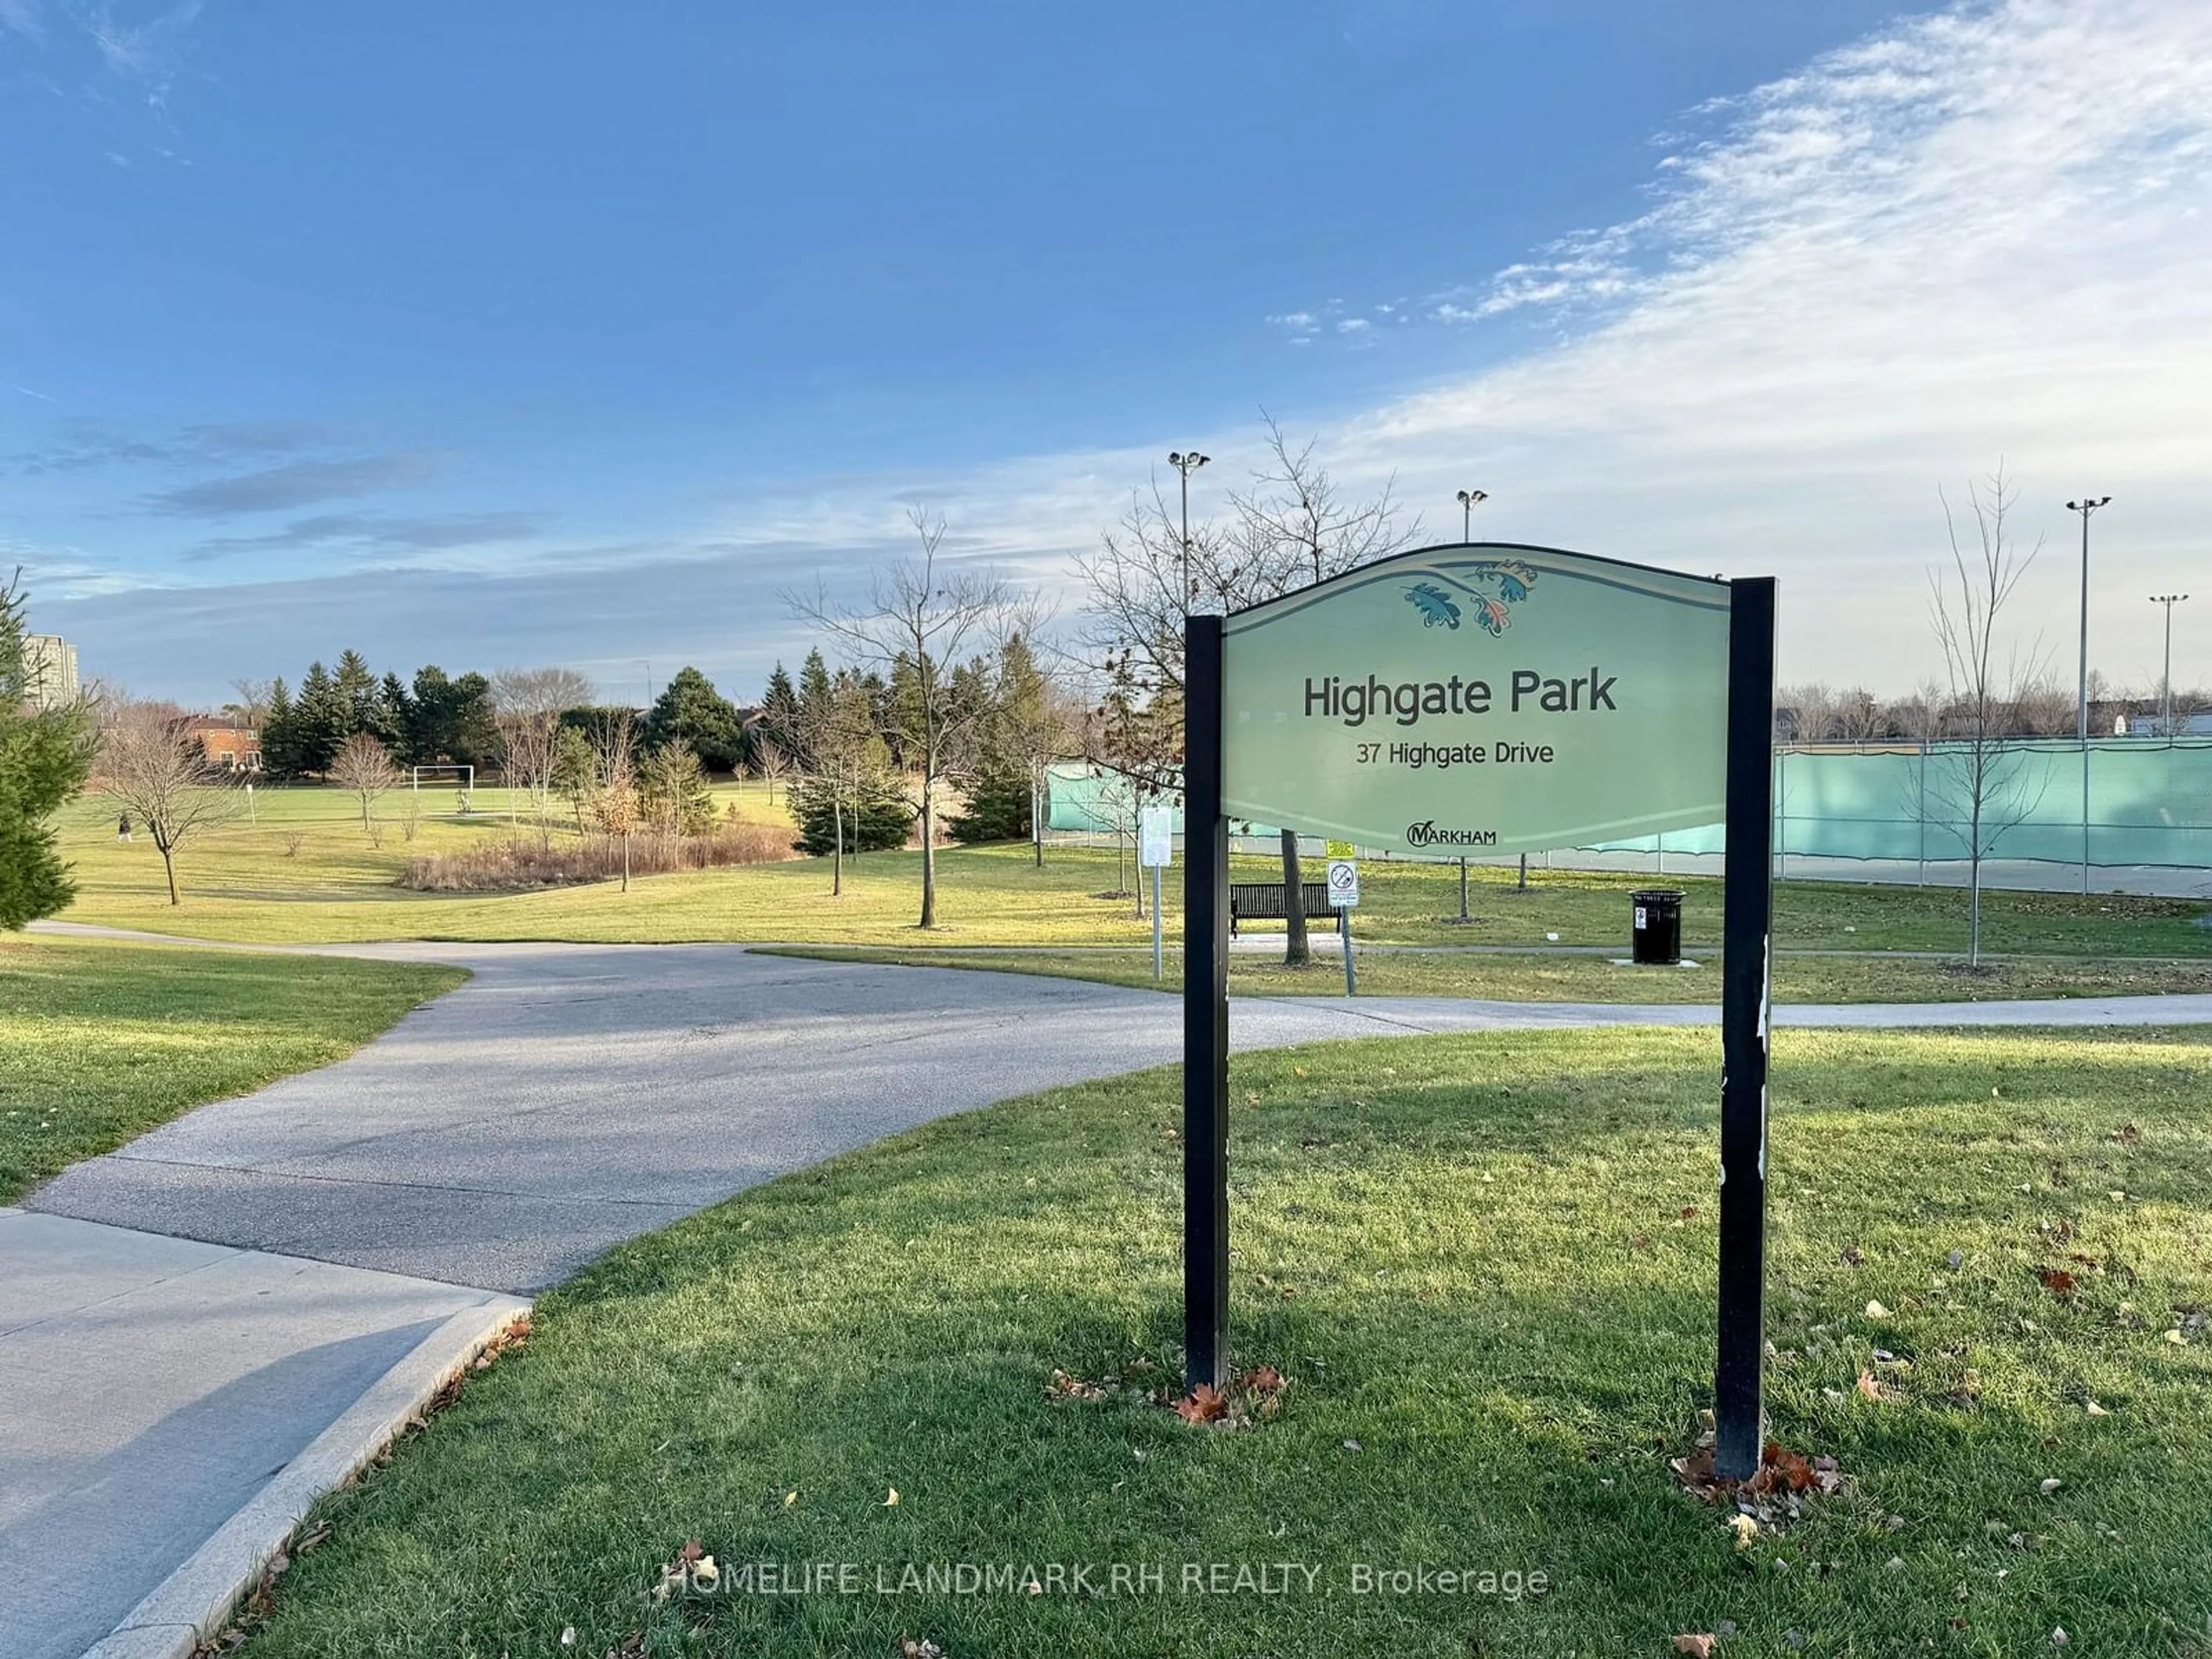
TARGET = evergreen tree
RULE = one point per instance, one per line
(320, 722)
(356, 689)
(672, 792)
(779, 712)
(690, 710)
(574, 770)
(427, 715)
(902, 705)
(880, 821)
(453, 719)
(280, 733)
(392, 721)
(1014, 738)
(46, 753)
(998, 807)
(815, 696)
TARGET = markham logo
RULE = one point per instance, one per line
(1510, 578)
(1426, 834)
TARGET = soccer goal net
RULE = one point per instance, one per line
(460, 779)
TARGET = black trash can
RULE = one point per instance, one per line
(1656, 939)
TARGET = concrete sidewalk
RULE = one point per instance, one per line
(150, 1387)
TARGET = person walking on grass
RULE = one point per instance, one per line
(122, 827)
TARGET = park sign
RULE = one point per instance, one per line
(1480, 699)
(1155, 836)
(1494, 699)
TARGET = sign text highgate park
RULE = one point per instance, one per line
(1407, 702)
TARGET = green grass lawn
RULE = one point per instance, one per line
(1531, 977)
(306, 872)
(100, 1042)
(1485, 1265)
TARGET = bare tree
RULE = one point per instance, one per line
(154, 769)
(2042, 706)
(1812, 708)
(529, 703)
(850, 763)
(1859, 716)
(927, 615)
(1054, 731)
(1292, 527)
(1982, 780)
(770, 763)
(249, 712)
(1119, 803)
(363, 767)
(610, 800)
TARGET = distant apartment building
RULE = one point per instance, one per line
(50, 669)
(233, 748)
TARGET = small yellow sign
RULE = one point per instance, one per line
(1340, 849)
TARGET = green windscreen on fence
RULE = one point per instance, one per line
(2149, 802)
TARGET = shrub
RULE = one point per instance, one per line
(513, 866)
(998, 809)
(881, 821)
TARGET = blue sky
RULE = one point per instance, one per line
(496, 335)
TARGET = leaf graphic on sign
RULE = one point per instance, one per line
(1435, 605)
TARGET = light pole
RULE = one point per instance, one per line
(1185, 462)
(1468, 498)
(2085, 507)
(2165, 676)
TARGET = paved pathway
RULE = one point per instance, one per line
(178, 1318)
(572, 1095)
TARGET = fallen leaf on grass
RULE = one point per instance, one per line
(1698, 1645)
(1875, 1311)
(1064, 1387)
(910, 1649)
(2056, 1280)
(1850, 1255)
(1203, 1404)
(892, 1501)
(1775, 1495)
(1873, 1387)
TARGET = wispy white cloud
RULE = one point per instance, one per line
(23, 17)
(149, 55)
(1976, 235)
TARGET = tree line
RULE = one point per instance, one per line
(465, 720)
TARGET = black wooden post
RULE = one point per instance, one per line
(1205, 1015)
(1749, 896)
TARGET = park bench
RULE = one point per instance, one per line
(1261, 900)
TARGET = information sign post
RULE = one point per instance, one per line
(1495, 699)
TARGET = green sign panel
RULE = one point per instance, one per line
(1475, 699)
